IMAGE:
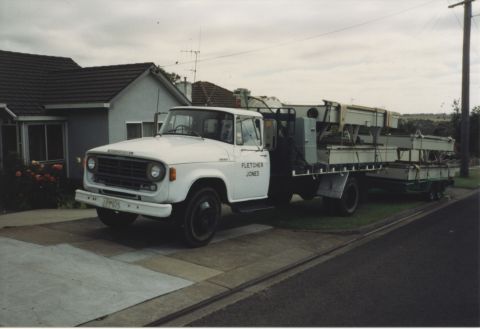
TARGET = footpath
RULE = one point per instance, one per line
(64, 268)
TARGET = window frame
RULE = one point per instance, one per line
(142, 130)
(228, 116)
(45, 124)
(258, 133)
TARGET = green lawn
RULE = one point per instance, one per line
(471, 182)
(310, 215)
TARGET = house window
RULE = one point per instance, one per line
(134, 130)
(140, 129)
(148, 129)
(45, 142)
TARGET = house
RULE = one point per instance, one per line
(53, 110)
(205, 93)
(208, 94)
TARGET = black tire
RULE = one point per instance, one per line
(200, 217)
(440, 191)
(348, 203)
(432, 193)
(115, 219)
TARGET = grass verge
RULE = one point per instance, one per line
(311, 215)
(471, 182)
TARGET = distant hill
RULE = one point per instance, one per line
(436, 117)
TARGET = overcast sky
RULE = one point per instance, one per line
(401, 55)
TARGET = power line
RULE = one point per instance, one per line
(282, 44)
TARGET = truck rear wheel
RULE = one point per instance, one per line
(348, 203)
(115, 219)
(200, 217)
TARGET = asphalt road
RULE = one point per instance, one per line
(423, 274)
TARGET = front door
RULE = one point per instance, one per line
(252, 163)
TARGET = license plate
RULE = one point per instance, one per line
(111, 204)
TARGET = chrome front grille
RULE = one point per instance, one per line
(129, 173)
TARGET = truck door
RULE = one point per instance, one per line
(252, 162)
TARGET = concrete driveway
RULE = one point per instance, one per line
(69, 273)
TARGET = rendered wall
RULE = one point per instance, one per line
(138, 103)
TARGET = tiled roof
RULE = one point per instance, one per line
(23, 79)
(208, 94)
(91, 84)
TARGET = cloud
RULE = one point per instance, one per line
(409, 62)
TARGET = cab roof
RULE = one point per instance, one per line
(220, 109)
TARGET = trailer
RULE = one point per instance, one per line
(424, 165)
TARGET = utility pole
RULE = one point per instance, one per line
(465, 121)
(196, 52)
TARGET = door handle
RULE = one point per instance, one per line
(263, 155)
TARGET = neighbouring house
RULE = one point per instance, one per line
(205, 93)
(208, 94)
(53, 110)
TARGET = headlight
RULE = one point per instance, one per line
(92, 164)
(156, 171)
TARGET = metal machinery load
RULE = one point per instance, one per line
(328, 137)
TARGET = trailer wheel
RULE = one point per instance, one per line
(115, 219)
(348, 203)
(440, 191)
(200, 217)
(432, 193)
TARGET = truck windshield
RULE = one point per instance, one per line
(203, 123)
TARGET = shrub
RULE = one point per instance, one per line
(34, 186)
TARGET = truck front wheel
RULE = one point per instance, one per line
(200, 217)
(115, 219)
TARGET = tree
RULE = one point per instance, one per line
(474, 145)
(172, 76)
(475, 131)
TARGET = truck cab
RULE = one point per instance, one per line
(200, 158)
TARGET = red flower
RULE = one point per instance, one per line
(52, 179)
(57, 166)
(18, 173)
(39, 178)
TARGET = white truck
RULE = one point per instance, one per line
(205, 156)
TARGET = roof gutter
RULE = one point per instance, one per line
(9, 112)
(77, 106)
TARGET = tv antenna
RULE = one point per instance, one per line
(195, 52)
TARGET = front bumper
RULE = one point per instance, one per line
(124, 205)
